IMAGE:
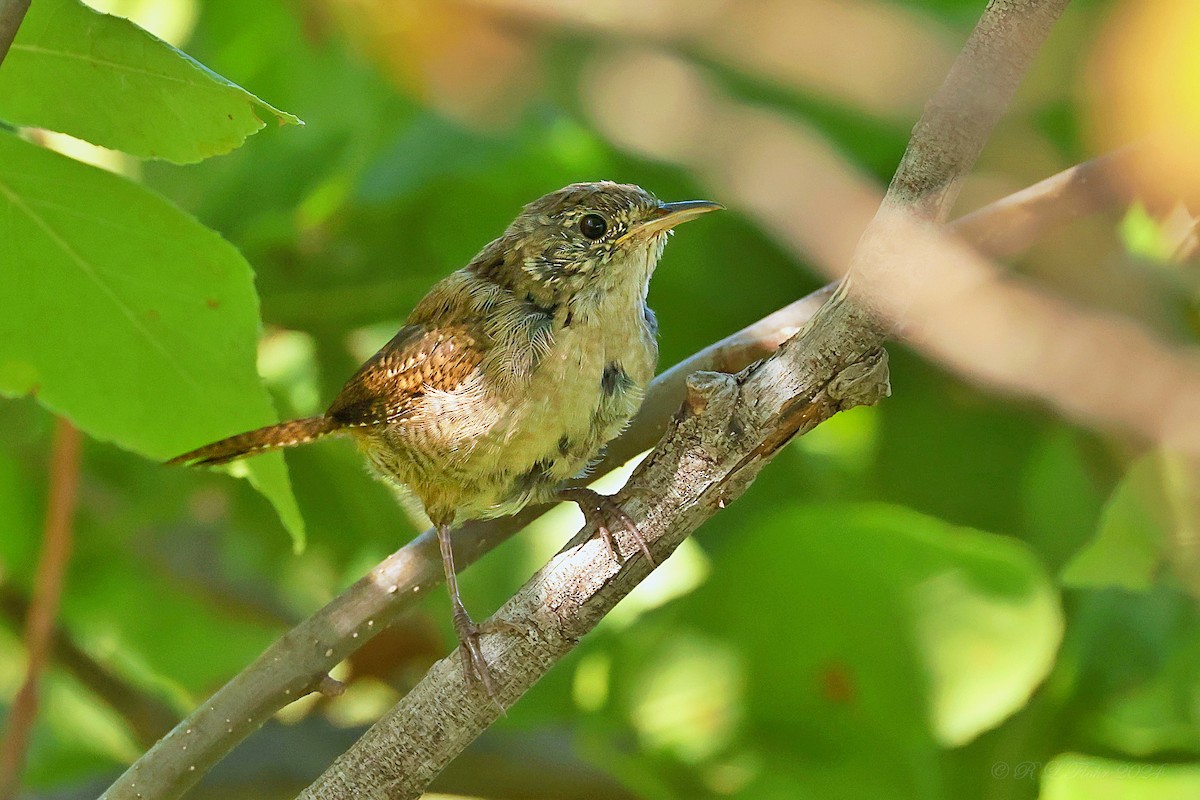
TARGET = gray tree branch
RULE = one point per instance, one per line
(728, 429)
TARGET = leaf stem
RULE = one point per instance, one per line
(47, 591)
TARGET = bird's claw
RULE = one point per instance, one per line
(605, 513)
(475, 666)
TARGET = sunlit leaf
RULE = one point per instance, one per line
(688, 698)
(973, 621)
(104, 79)
(1153, 516)
(1145, 236)
(126, 315)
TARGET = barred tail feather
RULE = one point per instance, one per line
(285, 434)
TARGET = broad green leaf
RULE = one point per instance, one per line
(126, 315)
(850, 643)
(973, 620)
(104, 79)
(1134, 663)
(1061, 497)
(1152, 515)
(1160, 715)
(1078, 777)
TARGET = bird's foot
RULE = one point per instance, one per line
(605, 513)
(475, 666)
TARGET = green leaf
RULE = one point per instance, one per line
(104, 79)
(1153, 501)
(1061, 497)
(1159, 715)
(973, 619)
(1078, 777)
(128, 316)
(1146, 236)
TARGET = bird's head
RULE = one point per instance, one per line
(590, 238)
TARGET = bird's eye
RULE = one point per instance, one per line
(593, 226)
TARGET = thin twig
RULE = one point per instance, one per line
(728, 429)
(47, 591)
(292, 664)
(11, 14)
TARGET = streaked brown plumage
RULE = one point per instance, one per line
(512, 373)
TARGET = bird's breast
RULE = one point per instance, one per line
(583, 391)
(580, 394)
(526, 420)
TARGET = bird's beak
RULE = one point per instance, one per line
(668, 215)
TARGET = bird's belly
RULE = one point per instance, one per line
(488, 449)
(580, 396)
(578, 399)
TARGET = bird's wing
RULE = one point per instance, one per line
(418, 359)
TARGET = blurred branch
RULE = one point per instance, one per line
(148, 718)
(1008, 227)
(12, 12)
(47, 591)
(729, 428)
(1097, 368)
(298, 660)
(894, 54)
(1005, 228)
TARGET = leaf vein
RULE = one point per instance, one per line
(90, 271)
(117, 65)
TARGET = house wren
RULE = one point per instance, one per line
(510, 376)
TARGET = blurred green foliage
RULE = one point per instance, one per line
(951, 595)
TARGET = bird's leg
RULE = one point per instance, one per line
(605, 513)
(475, 667)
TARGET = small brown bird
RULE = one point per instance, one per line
(511, 375)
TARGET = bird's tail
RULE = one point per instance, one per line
(285, 434)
